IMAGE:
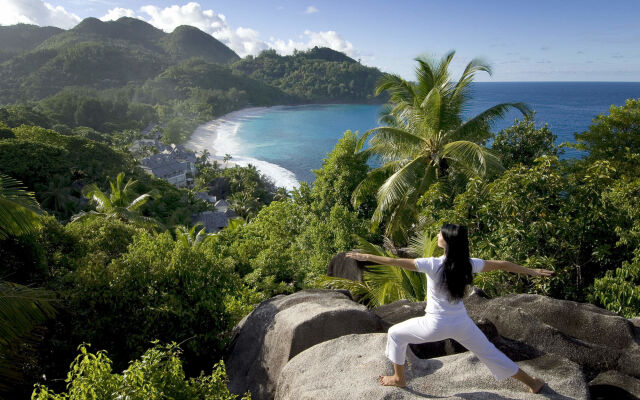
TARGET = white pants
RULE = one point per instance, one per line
(461, 328)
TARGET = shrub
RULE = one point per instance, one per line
(158, 374)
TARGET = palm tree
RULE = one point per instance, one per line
(203, 159)
(244, 204)
(119, 204)
(21, 308)
(424, 138)
(193, 237)
(384, 284)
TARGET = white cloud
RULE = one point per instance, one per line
(116, 13)
(329, 39)
(311, 10)
(35, 12)
(241, 40)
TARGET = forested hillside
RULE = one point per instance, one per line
(317, 75)
(123, 75)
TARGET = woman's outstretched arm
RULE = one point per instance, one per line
(406, 263)
(492, 265)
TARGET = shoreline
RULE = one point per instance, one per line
(218, 137)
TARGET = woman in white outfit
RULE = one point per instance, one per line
(446, 317)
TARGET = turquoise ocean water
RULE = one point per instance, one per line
(285, 142)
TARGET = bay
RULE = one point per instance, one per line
(287, 142)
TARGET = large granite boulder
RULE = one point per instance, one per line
(283, 326)
(614, 385)
(348, 368)
(342, 266)
(595, 338)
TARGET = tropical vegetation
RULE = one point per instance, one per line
(426, 140)
(134, 268)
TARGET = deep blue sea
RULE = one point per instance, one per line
(286, 142)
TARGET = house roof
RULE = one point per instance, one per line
(163, 165)
(213, 221)
(222, 203)
(206, 196)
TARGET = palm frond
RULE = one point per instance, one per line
(364, 246)
(399, 90)
(138, 202)
(471, 158)
(431, 106)
(423, 244)
(397, 185)
(425, 76)
(442, 72)
(21, 308)
(18, 208)
(474, 66)
(372, 182)
(94, 193)
(391, 143)
(472, 128)
(85, 214)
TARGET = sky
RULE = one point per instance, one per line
(568, 40)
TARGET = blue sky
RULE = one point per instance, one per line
(523, 41)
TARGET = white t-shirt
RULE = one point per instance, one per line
(437, 296)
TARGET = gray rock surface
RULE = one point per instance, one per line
(348, 367)
(595, 338)
(341, 266)
(610, 382)
(283, 326)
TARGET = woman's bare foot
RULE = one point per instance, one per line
(391, 381)
(538, 384)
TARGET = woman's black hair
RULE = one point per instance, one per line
(456, 269)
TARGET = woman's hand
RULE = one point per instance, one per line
(358, 256)
(540, 272)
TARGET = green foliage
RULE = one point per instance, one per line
(342, 170)
(614, 136)
(6, 132)
(249, 190)
(287, 247)
(186, 42)
(385, 284)
(542, 217)
(522, 143)
(21, 309)
(36, 155)
(424, 140)
(619, 290)
(99, 111)
(18, 208)
(161, 289)
(101, 238)
(23, 114)
(158, 374)
(21, 37)
(122, 203)
(318, 75)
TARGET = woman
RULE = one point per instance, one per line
(446, 317)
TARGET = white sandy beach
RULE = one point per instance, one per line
(219, 137)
